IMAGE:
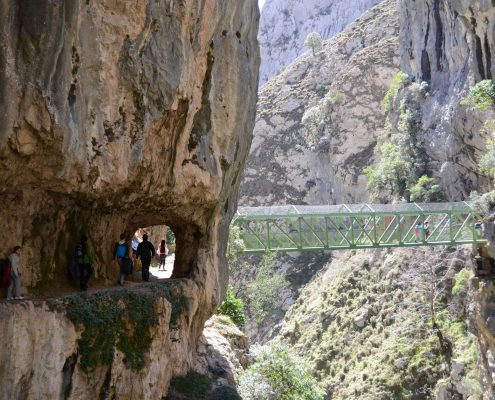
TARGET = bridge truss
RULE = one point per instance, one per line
(338, 227)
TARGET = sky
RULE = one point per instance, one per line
(260, 3)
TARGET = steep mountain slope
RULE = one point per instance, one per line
(365, 325)
(318, 126)
(354, 71)
(285, 24)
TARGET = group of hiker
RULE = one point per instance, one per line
(421, 231)
(80, 265)
(123, 253)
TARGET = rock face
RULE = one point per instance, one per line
(43, 361)
(285, 24)
(119, 115)
(484, 322)
(450, 45)
(354, 71)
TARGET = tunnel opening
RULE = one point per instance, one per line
(182, 243)
(163, 239)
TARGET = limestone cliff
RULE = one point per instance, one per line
(114, 116)
(353, 71)
(284, 26)
(117, 116)
(450, 45)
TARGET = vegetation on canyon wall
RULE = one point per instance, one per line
(118, 319)
(401, 172)
(278, 374)
(388, 330)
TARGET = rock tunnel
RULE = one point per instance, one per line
(116, 114)
(119, 115)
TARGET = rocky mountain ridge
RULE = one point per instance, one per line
(284, 26)
(353, 72)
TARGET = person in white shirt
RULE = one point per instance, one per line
(15, 277)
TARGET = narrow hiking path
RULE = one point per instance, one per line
(96, 286)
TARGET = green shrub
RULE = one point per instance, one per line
(235, 245)
(312, 118)
(481, 96)
(390, 173)
(426, 190)
(277, 373)
(487, 162)
(400, 79)
(170, 236)
(233, 307)
(119, 319)
(484, 204)
(461, 279)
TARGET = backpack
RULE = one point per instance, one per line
(121, 250)
(79, 251)
(5, 270)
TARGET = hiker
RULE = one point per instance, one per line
(478, 228)
(427, 230)
(121, 253)
(15, 275)
(83, 257)
(416, 232)
(134, 245)
(145, 252)
(163, 253)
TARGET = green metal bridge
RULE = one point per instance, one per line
(338, 227)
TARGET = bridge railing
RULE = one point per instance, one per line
(312, 228)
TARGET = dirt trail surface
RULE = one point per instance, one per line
(134, 282)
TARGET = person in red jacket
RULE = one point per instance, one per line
(163, 253)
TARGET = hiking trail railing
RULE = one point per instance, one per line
(339, 227)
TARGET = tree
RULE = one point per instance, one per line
(481, 96)
(313, 41)
(390, 174)
(278, 374)
(426, 190)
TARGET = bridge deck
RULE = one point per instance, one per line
(333, 227)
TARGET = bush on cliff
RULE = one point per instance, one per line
(426, 190)
(481, 96)
(233, 307)
(119, 319)
(278, 374)
(400, 79)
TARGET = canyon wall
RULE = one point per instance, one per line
(284, 26)
(450, 45)
(288, 164)
(119, 115)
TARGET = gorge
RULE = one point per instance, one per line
(122, 115)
